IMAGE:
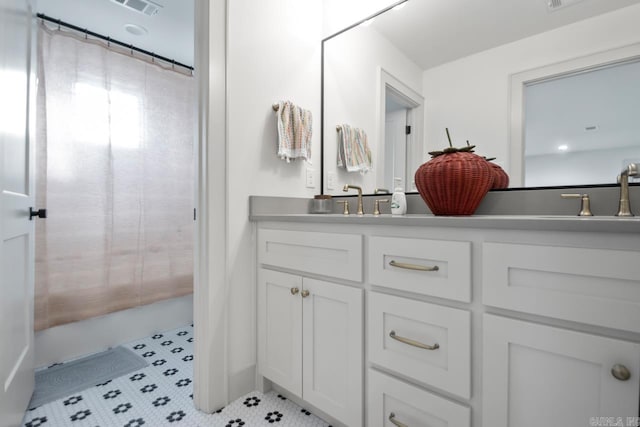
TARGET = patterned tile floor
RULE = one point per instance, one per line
(161, 395)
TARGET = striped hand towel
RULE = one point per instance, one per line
(295, 126)
(353, 150)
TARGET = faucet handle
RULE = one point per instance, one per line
(345, 210)
(376, 208)
(585, 207)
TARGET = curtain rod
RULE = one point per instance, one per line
(110, 40)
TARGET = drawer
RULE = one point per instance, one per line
(594, 286)
(328, 254)
(411, 406)
(397, 327)
(431, 267)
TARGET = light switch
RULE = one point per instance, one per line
(310, 179)
(331, 181)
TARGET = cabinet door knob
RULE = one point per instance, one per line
(304, 293)
(620, 372)
(294, 291)
(392, 418)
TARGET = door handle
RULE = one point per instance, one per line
(40, 213)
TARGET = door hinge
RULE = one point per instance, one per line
(194, 214)
(407, 130)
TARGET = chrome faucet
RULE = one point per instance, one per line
(355, 187)
(624, 208)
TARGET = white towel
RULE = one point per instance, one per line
(295, 126)
(353, 150)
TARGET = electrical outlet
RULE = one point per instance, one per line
(331, 181)
(310, 179)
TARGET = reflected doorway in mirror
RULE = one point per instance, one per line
(401, 113)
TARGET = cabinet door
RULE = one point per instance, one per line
(536, 375)
(280, 329)
(333, 350)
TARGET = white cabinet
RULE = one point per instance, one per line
(536, 375)
(280, 329)
(394, 400)
(423, 266)
(310, 341)
(429, 343)
(587, 285)
(329, 254)
(572, 301)
(333, 355)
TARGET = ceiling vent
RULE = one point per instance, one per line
(143, 6)
(553, 5)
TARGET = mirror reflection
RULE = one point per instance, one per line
(511, 79)
(583, 127)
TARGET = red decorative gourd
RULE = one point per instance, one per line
(500, 177)
(454, 181)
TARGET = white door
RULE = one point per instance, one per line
(395, 148)
(333, 355)
(16, 186)
(280, 329)
(536, 375)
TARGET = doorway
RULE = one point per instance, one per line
(401, 128)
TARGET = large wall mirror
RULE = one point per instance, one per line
(551, 89)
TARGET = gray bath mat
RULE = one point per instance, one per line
(71, 377)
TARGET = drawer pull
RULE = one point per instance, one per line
(304, 293)
(294, 291)
(406, 266)
(392, 418)
(414, 343)
(620, 372)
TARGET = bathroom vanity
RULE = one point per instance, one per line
(473, 321)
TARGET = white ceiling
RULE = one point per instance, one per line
(170, 32)
(433, 32)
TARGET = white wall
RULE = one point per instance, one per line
(273, 54)
(97, 334)
(471, 95)
(352, 63)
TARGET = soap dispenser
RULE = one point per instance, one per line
(398, 199)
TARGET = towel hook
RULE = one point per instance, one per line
(275, 107)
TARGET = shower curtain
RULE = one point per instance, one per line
(115, 172)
